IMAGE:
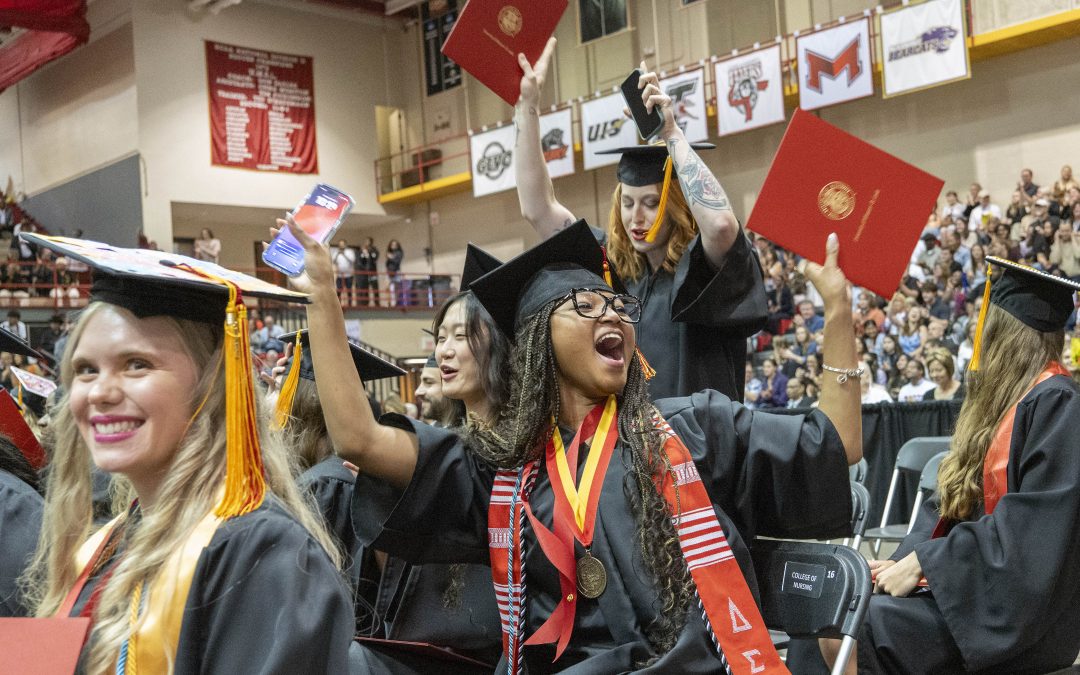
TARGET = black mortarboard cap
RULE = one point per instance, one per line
(9, 342)
(369, 366)
(431, 362)
(478, 262)
(571, 259)
(642, 165)
(1039, 300)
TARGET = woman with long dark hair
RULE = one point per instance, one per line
(998, 547)
(620, 566)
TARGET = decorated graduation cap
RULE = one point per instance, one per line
(478, 262)
(369, 366)
(153, 283)
(642, 165)
(1039, 300)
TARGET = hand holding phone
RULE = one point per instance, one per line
(647, 123)
(319, 215)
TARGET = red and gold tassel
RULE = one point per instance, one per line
(646, 369)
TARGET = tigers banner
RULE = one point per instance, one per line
(491, 155)
(749, 91)
(923, 46)
(557, 140)
(687, 92)
(834, 65)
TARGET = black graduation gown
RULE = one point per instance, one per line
(404, 601)
(694, 323)
(20, 523)
(767, 474)
(1004, 588)
(264, 598)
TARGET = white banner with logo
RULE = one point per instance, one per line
(492, 160)
(923, 46)
(687, 92)
(834, 65)
(557, 142)
(749, 91)
(605, 127)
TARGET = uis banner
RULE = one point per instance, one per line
(492, 160)
(923, 46)
(557, 142)
(605, 127)
(749, 91)
(687, 92)
(834, 65)
(262, 109)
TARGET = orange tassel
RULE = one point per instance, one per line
(283, 409)
(661, 207)
(646, 369)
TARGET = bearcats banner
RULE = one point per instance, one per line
(557, 142)
(749, 91)
(687, 92)
(923, 46)
(834, 65)
(492, 160)
(262, 109)
(605, 127)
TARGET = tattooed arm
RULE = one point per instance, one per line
(535, 191)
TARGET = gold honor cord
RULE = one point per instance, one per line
(578, 498)
(650, 236)
(287, 393)
(976, 348)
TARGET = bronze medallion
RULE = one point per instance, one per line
(510, 20)
(591, 576)
(836, 200)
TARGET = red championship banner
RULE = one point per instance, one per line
(262, 109)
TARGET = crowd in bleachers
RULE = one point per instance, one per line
(916, 345)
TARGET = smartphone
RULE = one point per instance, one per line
(319, 214)
(647, 123)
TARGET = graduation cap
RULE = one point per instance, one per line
(431, 362)
(1039, 300)
(642, 165)
(478, 262)
(153, 283)
(9, 342)
(369, 367)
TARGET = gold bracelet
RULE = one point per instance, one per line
(844, 374)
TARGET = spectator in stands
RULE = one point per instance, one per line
(913, 333)
(866, 309)
(872, 337)
(780, 302)
(927, 251)
(969, 236)
(1026, 186)
(1064, 184)
(207, 246)
(954, 243)
(1068, 206)
(812, 369)
(937, 337)
(978, 266)
(1065, 251)
(774, 387)
(751, 388)
(917, 384)
(796, 394)
(971, 200)
(871, 391)
(344, 259)
(953, 209)
(890, 352)
(394, 254)
(1002, 244)
(808, 317)
(1074, 213)
(942, 368)
(793, 356)
(52, 334)
(963, 353)
(15, 325)
(1035, 248)
(367, 268)
(269, 337)
(935, 305)
(1016, 210)
(983, 212)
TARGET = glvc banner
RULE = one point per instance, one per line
(492, 160)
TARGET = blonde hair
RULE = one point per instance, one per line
(1013, 355)
(188, 493)
(631, 265)
(306, 435)
(943, 357)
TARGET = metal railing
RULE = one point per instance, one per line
(422, 164)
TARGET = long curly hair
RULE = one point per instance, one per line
(521, 432)
(630, 264)
(1013, 355)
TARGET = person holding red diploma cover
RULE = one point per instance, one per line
(610, 523)
(999, 544)
(673, 239)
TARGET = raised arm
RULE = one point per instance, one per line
(380, 451)
(535, 191)
(708, 201)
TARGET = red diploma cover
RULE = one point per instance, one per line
(42, 646)
(15, 427)
(489, 35)
(825, 180)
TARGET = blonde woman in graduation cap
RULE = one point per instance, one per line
(671, 236)
(217, 566)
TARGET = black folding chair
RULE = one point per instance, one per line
(912, 458)
(811, 590)
(860, 512)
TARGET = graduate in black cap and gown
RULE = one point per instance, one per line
(218, 565)
(612, 586)
(673, 239)
(999, 544)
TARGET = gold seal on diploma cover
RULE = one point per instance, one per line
(591, 576)
(510, 20)
(836, 200)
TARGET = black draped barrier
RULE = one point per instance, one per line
(886, 427)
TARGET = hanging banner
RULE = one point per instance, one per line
(605, 127)
(492, 160)
(557, 142)
(687, 92)
(834, 65)
(749, 91)
(923, 46)
(262, 109)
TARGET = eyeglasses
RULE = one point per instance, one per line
(594, 304)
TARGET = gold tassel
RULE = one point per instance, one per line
(607, 268)
(646, 369)
(976, 347)
(283, 410)
(661, 207)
